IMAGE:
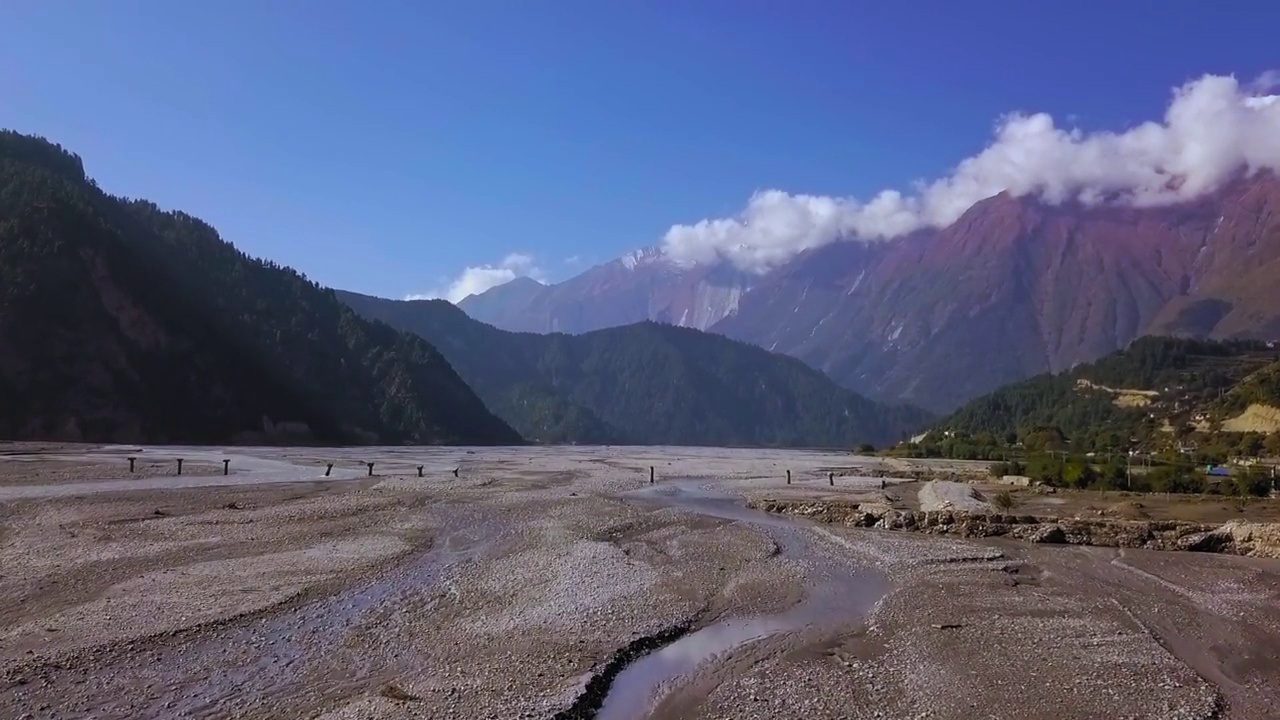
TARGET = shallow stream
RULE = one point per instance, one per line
(838, 593)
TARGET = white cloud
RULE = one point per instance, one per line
(476, 279)
(1265, 83)
(1213, 128)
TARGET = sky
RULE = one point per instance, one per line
(387, 147)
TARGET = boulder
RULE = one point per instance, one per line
(1213, 542)
(1254, 538)
(1051, 533)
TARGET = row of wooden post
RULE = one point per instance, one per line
(226, 470)
(328, 470)
(421, 469)
(831, 477)
(226, 465)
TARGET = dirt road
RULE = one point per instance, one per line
(556, 582)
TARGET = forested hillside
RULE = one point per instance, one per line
(646, 383)
(1156, 391)
(123, 322)
(1259, 388)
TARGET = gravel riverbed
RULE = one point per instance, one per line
(501, 593)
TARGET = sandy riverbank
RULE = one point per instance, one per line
(503, 592)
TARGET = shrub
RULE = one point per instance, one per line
(1176, 480)
(1003, 500)
(1079, 475)
(1256, 485)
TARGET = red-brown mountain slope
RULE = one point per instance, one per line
(1016, 287)
(1013, 288)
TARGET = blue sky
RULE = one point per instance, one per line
(383, 147)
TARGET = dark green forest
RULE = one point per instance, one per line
(1188, 378)
(120, 321)
(647, 383)
(1075, 430)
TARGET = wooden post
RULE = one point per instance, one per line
(179, 466)
(370, 468)
(650, 474)
(131, 461)
(419, 471)
(328, 470)
(831, 479)
(788, 477)
(226, 467)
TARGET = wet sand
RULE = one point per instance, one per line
(512, 590)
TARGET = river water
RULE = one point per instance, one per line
(839, 593)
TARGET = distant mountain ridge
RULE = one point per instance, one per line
(647, 383)
(639, 286)
(121, 322)
(1014, 288)
(506, 302)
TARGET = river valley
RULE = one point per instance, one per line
(560, 583)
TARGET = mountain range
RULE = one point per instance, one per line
(646, 383)
(121, 322)
(1014, 288)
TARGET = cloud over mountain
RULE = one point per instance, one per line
(476, 279)
(1213, 128)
